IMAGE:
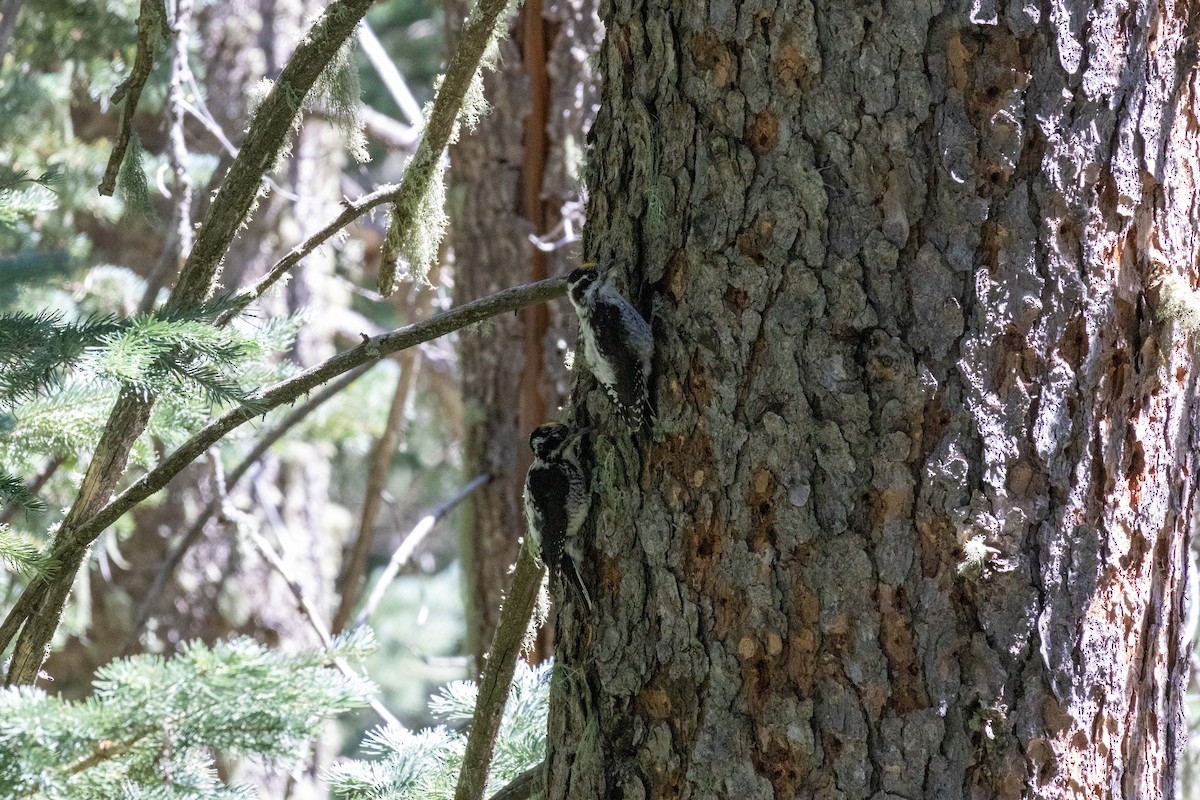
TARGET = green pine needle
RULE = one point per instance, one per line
(13, 491)
(408, 765)
(151, 725)
(36, 348)
(22, 555)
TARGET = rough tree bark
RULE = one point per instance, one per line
(914, 518)
(510, 180)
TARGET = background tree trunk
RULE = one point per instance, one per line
(511, 179)
(914, 520)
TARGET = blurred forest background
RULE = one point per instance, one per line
(342, 482)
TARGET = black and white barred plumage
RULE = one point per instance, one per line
(557, 498)
(616, 340)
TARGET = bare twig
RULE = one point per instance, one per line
(309, 613)
(478, 32)
(524, 785)
(265, 442)
(168, 259)
(370, 351)
(151, 22)
(272, 123)
(498, 675)
(178, 151)
(353, 209)
(564, 233)
(392, 132)
(377, 473)
(391, 77)
(410, 543)
(201, 114)
(180, 244)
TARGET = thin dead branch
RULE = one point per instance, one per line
(377, 473)
(264, 443)
(272, 558)
(151, 25)
(409, 545)
(370, 351)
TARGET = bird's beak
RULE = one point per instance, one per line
(576, 434)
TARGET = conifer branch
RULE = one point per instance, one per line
(46, 601)
(151, 22)
(151, 723)
(106, 750)
(369, 351)
(524, 786)
(39, 609)
(21, 554)
(17, 495)
(22, 610)
(265, 442)
(497, 677)
(36, 348)
(271, 126)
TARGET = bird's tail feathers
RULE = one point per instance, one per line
(571, 575)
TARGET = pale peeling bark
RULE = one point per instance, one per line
(902, 261)
(509, 180)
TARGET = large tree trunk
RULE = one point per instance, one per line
(914, 518)
(510, 180)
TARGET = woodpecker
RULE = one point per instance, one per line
(617, 341)
(557, 498)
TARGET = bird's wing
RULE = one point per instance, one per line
(608, 321)
(547, 489)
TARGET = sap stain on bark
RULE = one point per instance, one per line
(763, 133)
(711, 55)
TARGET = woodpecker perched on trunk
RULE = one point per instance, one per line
(617, 341)
(557, 498)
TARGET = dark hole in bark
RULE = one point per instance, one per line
(764, 24)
